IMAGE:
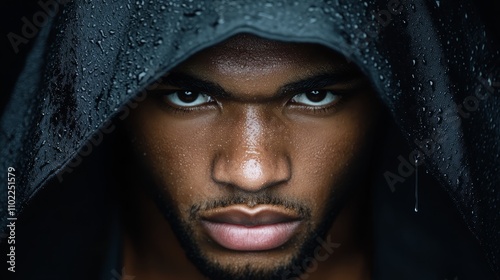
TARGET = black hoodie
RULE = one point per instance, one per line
(434, 65)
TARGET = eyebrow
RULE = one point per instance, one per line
(317, 81)
(186, 81)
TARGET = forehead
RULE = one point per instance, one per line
(245, 54)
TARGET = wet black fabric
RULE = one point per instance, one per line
(433, 64)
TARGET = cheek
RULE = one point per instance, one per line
(176, 155)
(330, 155)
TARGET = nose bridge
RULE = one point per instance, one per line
(253, 158)
(254, 127)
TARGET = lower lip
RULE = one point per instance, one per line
(256, 238)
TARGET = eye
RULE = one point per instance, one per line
(316, 98)
(187, 98)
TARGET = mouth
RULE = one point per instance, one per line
(241, 228)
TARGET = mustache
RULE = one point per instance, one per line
(251, 200)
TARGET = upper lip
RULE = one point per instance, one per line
(245, 216)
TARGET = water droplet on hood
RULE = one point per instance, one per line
(158, 42)
(431, 83)
(141, 75)
(194, 13)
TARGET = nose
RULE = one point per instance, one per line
(253, 156)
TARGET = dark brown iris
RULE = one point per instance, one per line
(316, 95)
(187, 96)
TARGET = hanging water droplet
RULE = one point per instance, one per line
(416, 182)
(438, 3)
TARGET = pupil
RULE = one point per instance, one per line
(316, 95)
(187, 96)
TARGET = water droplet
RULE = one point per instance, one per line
(193, 13)
(99, 43)
(141, 75)
(158, 42)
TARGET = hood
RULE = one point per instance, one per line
(432, 63)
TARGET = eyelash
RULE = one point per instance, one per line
(159, 95)
(322, 110)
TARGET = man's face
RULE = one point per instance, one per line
(250, 145)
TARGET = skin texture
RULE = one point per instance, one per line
(253, 143)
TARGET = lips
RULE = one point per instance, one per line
(250, 229)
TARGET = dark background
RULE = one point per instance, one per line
(14, 10)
